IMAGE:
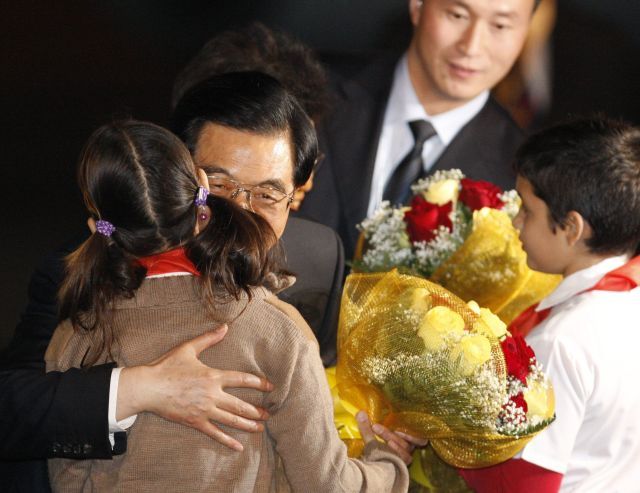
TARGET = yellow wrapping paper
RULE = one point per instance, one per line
(344, 416)
(491, 268)
(377, 333)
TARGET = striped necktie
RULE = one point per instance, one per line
(410, 168)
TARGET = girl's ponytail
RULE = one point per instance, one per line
(97, 273)
(236, 250)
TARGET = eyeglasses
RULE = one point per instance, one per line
(259, 197)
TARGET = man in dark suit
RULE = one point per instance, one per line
(314, 251)
(65, 414)
(458, 52)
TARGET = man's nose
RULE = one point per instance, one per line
(472, 39)
(243, 198)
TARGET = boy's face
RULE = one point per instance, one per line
(547, 250)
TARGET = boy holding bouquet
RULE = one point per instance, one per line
(580, 217)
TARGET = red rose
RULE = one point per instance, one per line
(477, 194)
(519, 401)
(517, 356)
(424, 217)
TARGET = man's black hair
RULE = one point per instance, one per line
(251, 102)
(255, 47)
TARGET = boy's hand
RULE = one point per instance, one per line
(401, 443)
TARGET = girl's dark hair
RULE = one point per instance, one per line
(141, 178)
(591, 166)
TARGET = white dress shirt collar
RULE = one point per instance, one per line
(581, 280)
(404, 106)
(395, 140)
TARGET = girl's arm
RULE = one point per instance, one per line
(301, 423)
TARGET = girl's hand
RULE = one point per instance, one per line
(401, 443)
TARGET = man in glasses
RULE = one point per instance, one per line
(256, 156)
(256, 47)
(314, 252)
(65, 415)
(254, 169)
(267, 198)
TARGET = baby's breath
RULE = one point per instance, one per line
(511, 201)
(424, 183)
(388, 246)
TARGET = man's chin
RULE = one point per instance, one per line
(464, 92)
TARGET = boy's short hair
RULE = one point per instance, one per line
(591, 166)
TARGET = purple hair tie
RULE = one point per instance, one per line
(105, 228)
(201, 196)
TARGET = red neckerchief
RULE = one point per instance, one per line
(168, 262)
(623, 278)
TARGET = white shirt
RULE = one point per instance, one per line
(114, 424)
(396, 139)
(590, 348)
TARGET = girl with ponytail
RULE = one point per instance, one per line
(165, 262)
(140, 177)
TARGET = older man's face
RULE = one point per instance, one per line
(255, 170)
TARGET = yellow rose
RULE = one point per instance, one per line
(540, 400)
(417, 299)
(438, 322)
(470, 353)
(441, 192)
(498, 327)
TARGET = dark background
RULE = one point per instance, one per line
(67, 67)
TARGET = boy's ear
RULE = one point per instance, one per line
(576, 228)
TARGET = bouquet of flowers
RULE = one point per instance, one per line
(421, 360)
(458, 233)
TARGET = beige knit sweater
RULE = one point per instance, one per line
(299, 450)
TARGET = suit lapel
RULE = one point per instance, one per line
(484, 147)
(465, 151)
(355, 135)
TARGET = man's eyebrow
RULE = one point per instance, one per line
(506, 12)
(277, 184)
(216, 170)
(212, 170)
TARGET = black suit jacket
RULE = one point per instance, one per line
(47, 415)
(65, 414)
(314, 253)
(483, 149)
